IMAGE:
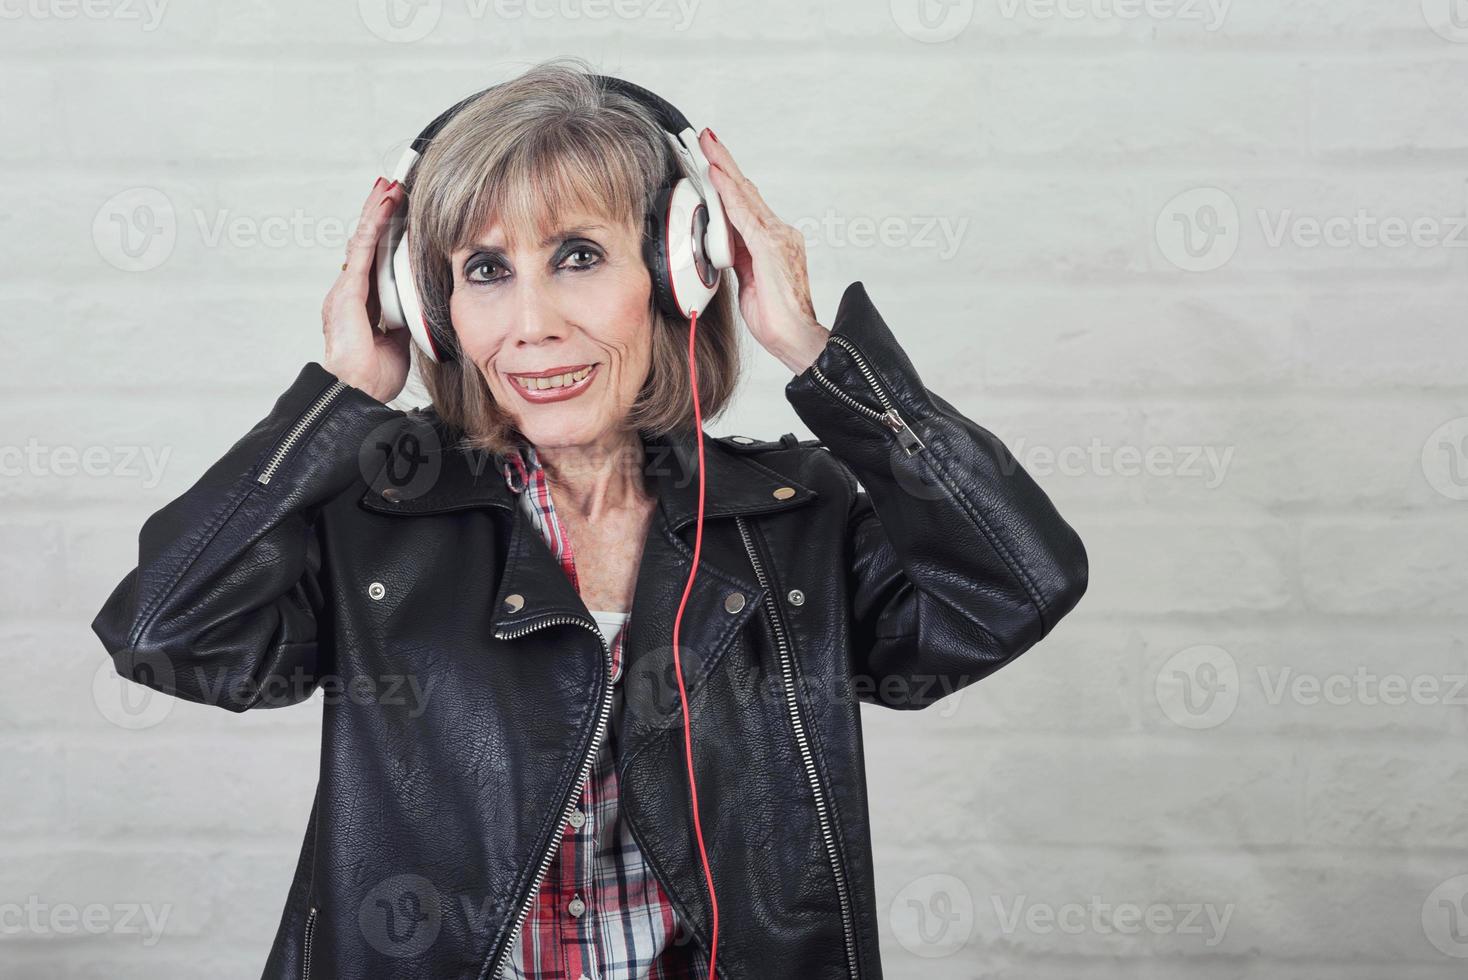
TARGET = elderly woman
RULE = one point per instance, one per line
(485, 591)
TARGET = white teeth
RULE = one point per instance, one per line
(558, 381)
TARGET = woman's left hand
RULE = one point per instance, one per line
(769, 261)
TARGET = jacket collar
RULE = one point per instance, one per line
(430, 476)
(425, 472)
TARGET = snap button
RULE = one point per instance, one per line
(377, 590)
(577, 906)
(391, 493)
(784, 493)
(514, 602)
(796, 597)
(733, 602)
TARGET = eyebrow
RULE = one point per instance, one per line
(554, 236)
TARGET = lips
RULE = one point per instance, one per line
(571, 380)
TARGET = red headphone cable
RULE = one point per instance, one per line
(677, 664)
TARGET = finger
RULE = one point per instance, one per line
(719, 156)
(738, 205)
(362, 248)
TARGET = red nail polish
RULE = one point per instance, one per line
(392, 185)
(378, 183)
(713, 135)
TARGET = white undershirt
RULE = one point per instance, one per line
(609, 622)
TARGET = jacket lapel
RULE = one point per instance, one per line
(427, 474)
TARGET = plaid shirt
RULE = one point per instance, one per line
(601, 913)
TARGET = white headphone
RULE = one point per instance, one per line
(687, 239)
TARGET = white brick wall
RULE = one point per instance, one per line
(1019, 197)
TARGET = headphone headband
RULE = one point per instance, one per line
(667, 115)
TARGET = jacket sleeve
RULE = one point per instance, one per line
(957, 561)
(222, 606)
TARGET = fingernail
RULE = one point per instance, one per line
(713, 135)
(378, 183)
(392, 185)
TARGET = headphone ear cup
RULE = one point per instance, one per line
(412, 307)
(655, 253)
(387, 287)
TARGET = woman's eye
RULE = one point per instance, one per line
(475, 265)
(583, 257)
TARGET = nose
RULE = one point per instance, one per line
(537, 318)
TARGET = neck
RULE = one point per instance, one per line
(596, 478)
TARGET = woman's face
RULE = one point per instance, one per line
(575, 302)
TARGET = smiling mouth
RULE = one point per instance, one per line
(545, 383)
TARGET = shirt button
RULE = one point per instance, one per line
(577, 906)
(578, 817)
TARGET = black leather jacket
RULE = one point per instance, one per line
(345, 548)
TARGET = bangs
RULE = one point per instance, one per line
(548, 176)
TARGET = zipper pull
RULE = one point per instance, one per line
(905, 435)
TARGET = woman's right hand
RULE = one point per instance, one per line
(356, 351)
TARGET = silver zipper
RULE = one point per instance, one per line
(811, 773)
(890, 418)
(310, 933)
(496, 965)
(317, 407)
